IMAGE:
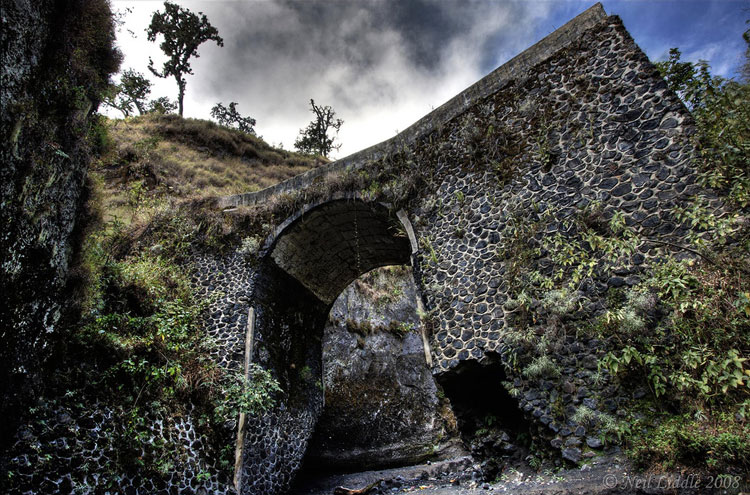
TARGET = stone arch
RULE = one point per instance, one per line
(327, 245)
(308, 261)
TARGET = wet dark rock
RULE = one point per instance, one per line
(594, 442)
(572, 454)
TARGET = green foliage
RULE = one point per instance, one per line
(315, 137)
(710, 228)
(611, 429)
(148, 317)
(230, 117)
(559, 302)
(250, 246)
(400, 328)
(140, 350)
(585, 416)
(586, 247)
(162, 105)
(183, 32)
(721, 109)
(629, 320)
(701, 355)
(99, 139)
(252, 394)
(135, 88)
(88, 31)
(591, 252)
(131, 92)
(680, 76)
(427, 244)
(719, 443)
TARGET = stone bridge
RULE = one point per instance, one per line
(579, 126)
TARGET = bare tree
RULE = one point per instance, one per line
(315, 138)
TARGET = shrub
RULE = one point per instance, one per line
(722, 112)
(250, 246)
(585, 416)
(718, 443)
(559, 302)
(251, 394)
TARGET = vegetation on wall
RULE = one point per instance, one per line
(721, 109)
(139, 354)
(138, 350)
(679, 329)
(679, 332)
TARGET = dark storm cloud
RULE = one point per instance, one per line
(360, 57)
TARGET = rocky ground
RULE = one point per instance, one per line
(610, 474)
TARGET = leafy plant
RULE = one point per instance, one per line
(542, 367)
(250, 246)
(721, 109)
(251, 394)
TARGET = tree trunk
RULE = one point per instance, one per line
(181, 96)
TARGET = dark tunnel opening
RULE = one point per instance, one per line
(491, 425)
(313, 257)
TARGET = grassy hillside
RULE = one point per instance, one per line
(150, 158)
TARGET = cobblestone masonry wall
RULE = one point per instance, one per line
(601, 129)
(79, 445)
(591, 128)
(71, 446)
(610, 133)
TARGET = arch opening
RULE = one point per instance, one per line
(331, 245)
(490, 423)
(383, 408)
(312, 258)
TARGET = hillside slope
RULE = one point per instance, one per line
(152, 157)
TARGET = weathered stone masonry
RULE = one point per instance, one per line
(581, 118)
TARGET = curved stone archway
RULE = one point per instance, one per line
(313, 256)
(331, 244)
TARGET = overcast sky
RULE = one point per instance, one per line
(383, 64)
